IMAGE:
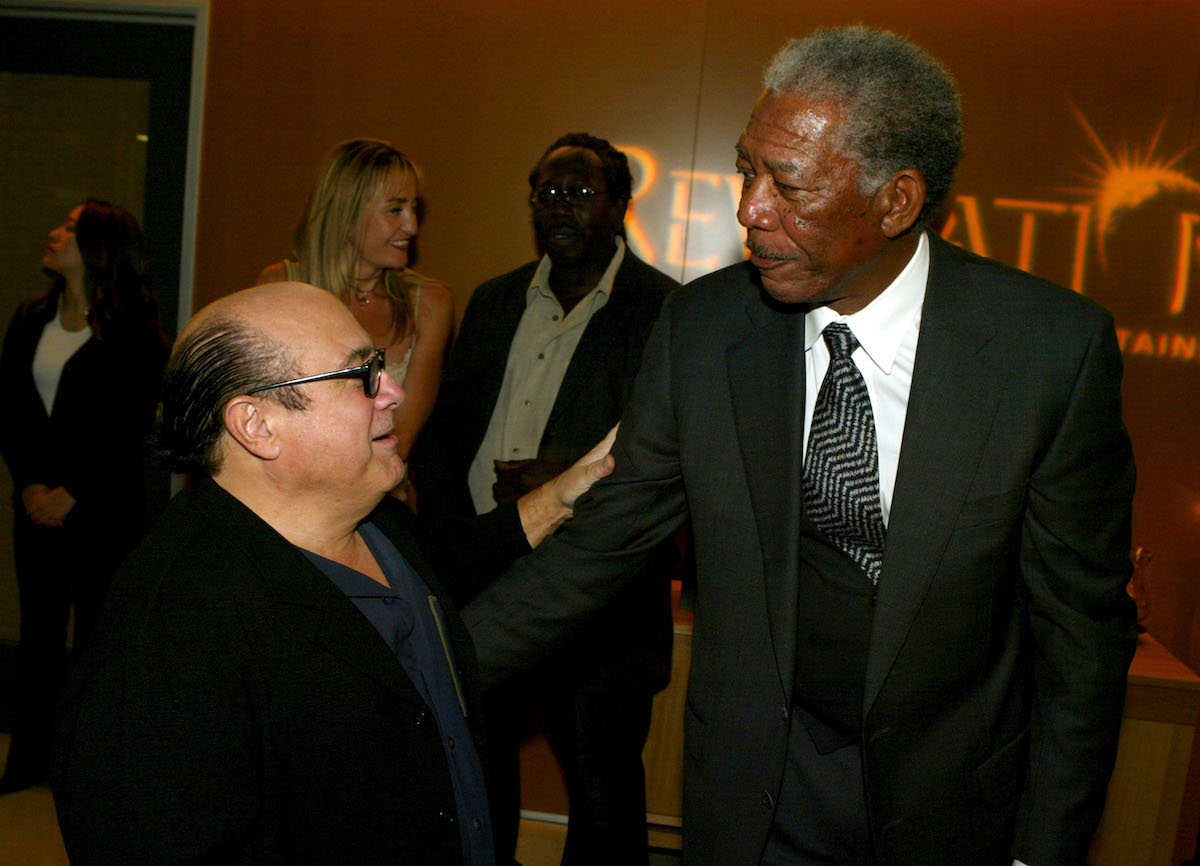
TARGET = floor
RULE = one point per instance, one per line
(29, 833)
(28, 827)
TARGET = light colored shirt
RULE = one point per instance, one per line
(54, 349)
(541, 351)
(887, 331)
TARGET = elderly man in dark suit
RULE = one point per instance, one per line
(278, 676)
(909, 485)
(543, 367)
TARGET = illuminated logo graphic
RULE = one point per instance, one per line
(693, 229)
(1130, 178)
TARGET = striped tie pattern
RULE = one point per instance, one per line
(841, 466)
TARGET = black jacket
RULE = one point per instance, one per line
(235, 707)
(1002, 630)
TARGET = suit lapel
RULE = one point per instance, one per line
(951, 406)
(592, 351)
(766, 385)
(606, 325)
(494, 353)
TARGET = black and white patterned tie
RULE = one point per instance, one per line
(841, 465)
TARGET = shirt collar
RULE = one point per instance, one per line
(540, 284)
(880, 326)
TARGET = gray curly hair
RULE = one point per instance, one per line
(901, 106)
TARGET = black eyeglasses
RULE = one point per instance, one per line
(369, 372)
(572, 195)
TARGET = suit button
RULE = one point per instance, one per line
(420, 718)
(767, 800)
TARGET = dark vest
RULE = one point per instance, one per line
(835, 606)
(821, 816)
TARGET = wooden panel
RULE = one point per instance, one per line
(1141, 817)
(663, 755)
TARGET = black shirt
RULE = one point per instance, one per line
(408, 617)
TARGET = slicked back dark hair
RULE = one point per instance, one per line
(210, 366)
(901, 107)
(613, 163)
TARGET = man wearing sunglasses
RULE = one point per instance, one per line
(279, 676)
(543, 365)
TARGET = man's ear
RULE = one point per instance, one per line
(901, 200)
(619, 212)
(252, 427)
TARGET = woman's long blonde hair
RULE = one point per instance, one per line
(327, 238)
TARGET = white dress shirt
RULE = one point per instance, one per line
(887, 331)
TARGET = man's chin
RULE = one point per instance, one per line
(792, 291)
(565, 253)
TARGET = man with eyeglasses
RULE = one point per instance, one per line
(543, 365)
(278, 676)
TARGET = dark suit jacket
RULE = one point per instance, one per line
(1002, 630)
(633, 639)
(235, 707)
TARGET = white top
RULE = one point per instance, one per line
(541, 350)
(887, 331)
(398, 370)
(54, 349)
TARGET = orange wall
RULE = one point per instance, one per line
(475, 91)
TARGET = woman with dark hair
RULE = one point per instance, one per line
(79, 382)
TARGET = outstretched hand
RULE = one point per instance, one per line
(544, 509)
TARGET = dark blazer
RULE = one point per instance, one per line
(94, 443)
(1002, 630)
(634, 637)
(236, 707)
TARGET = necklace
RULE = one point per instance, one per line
(363, 296)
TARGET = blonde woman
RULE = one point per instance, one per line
(354, 240)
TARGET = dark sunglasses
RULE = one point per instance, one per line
(369, 373)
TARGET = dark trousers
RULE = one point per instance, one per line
(597, 730)
(57, 568)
